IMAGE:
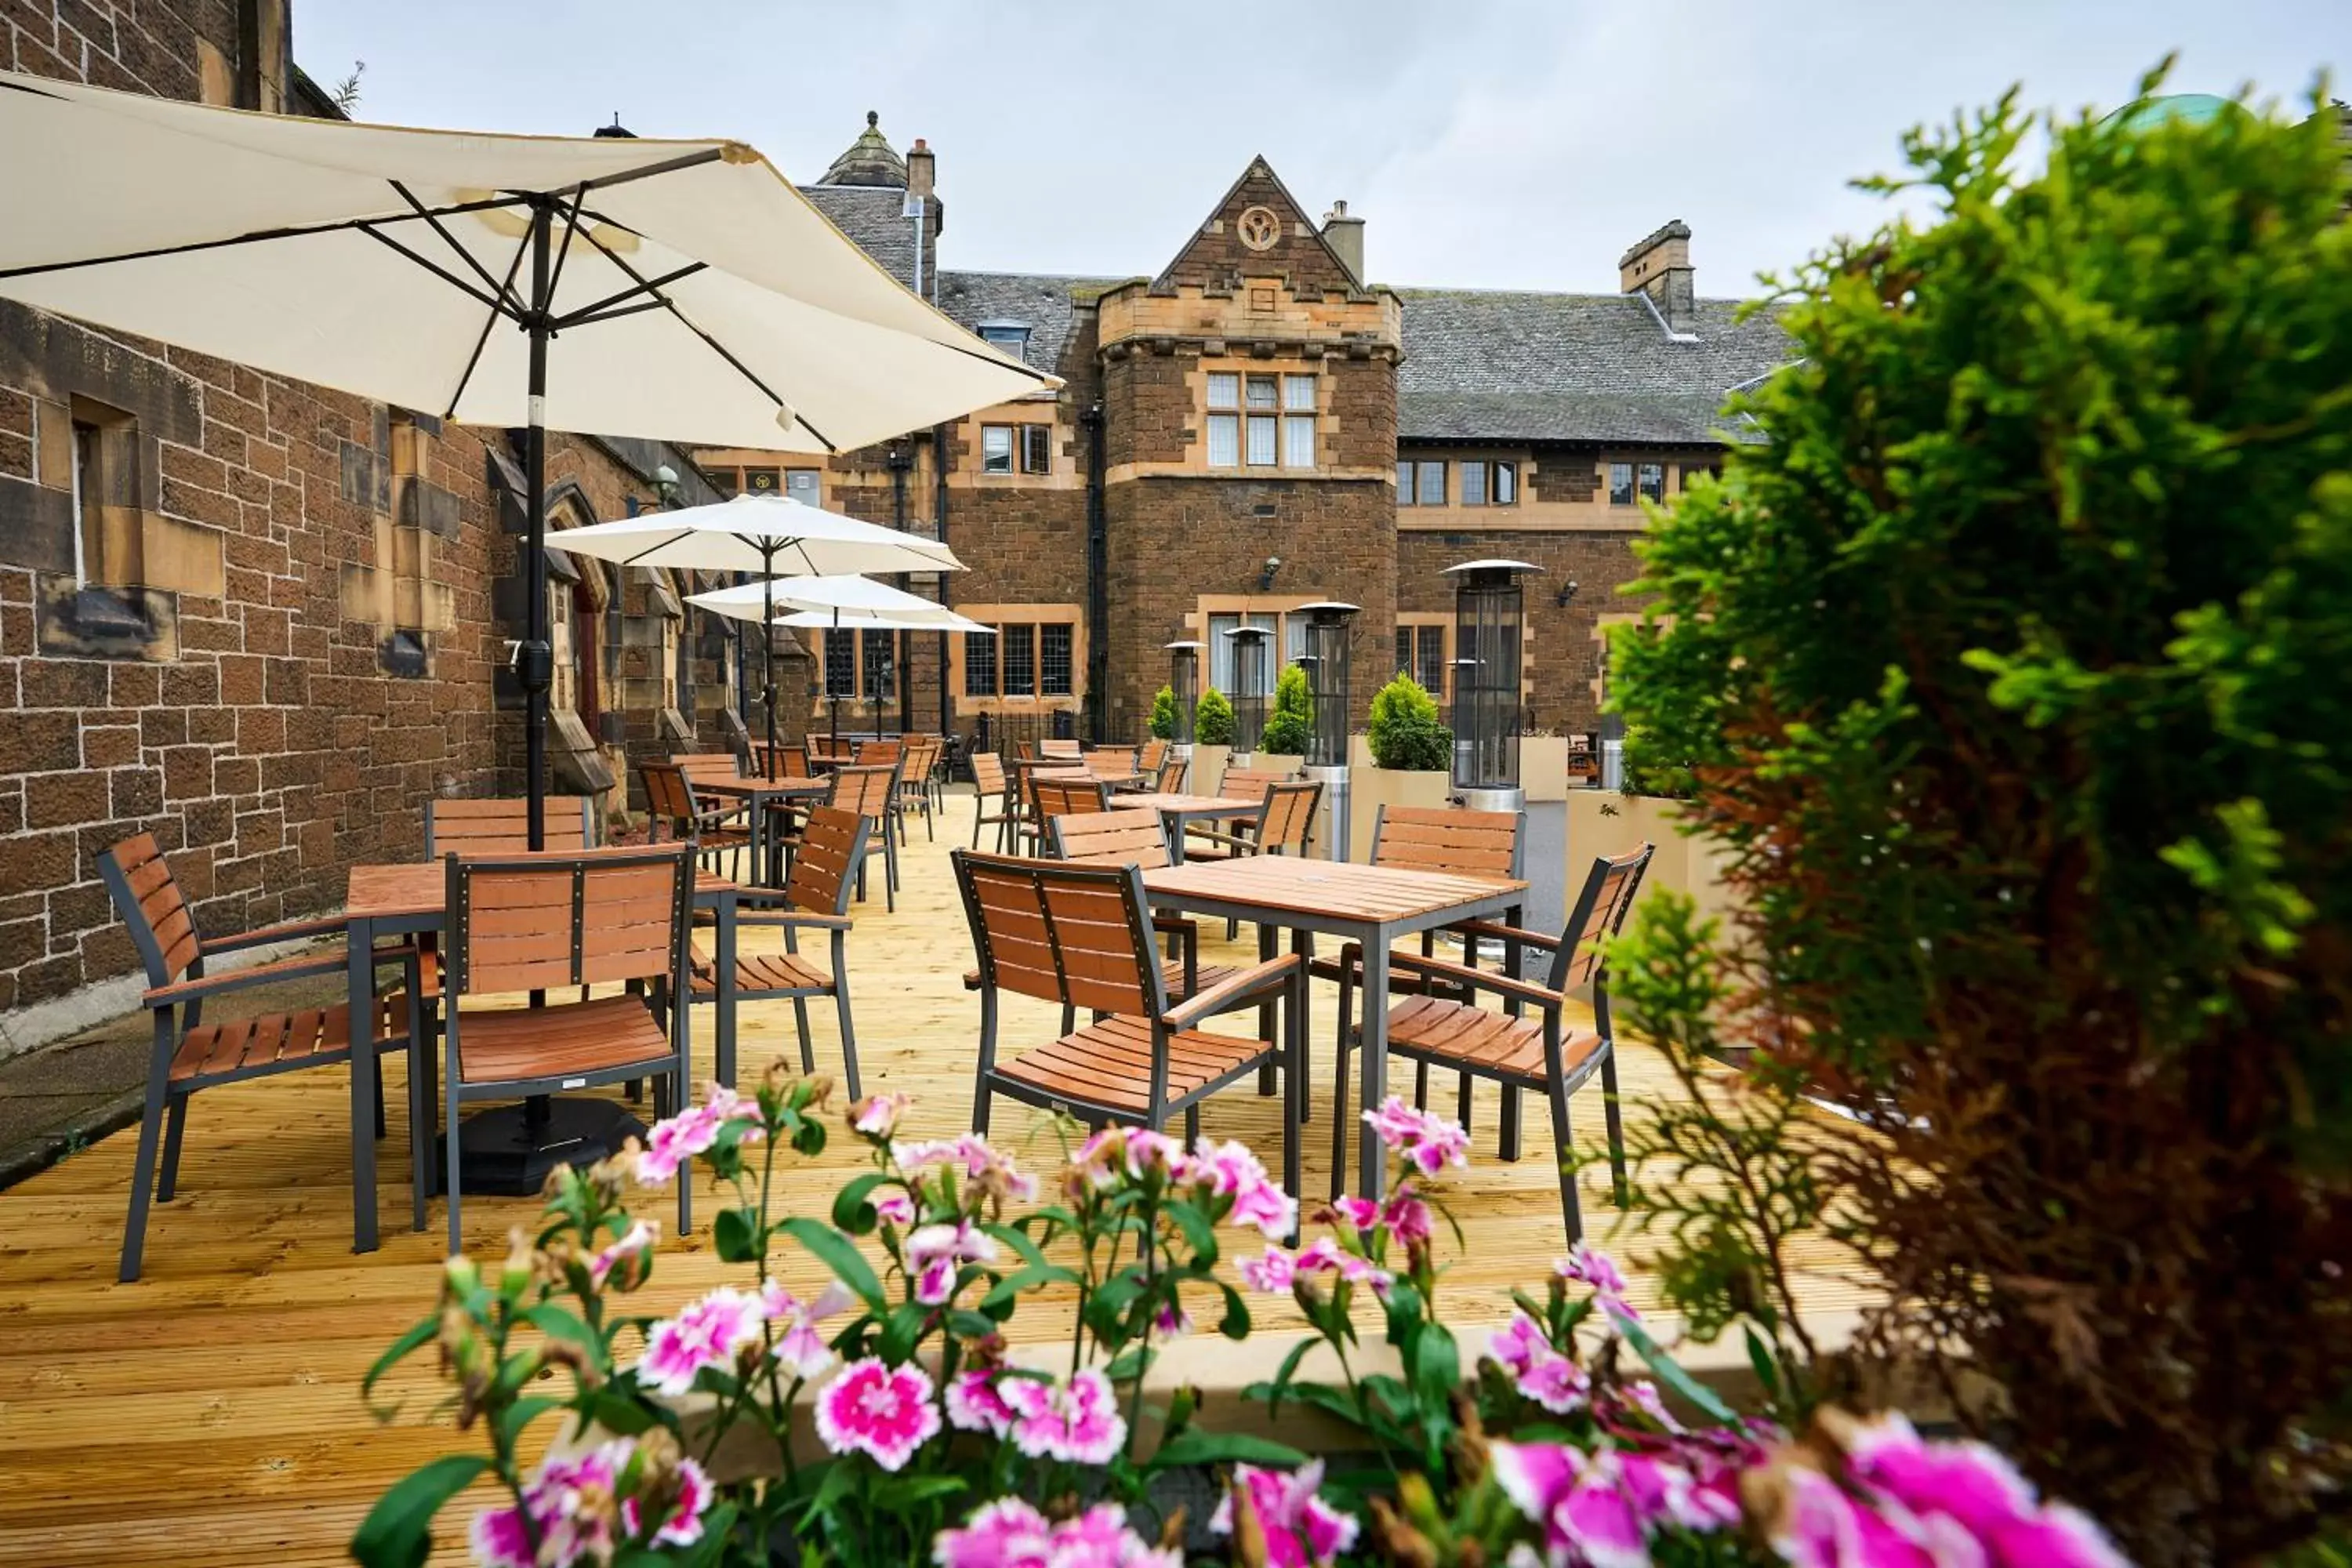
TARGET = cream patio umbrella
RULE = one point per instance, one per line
(672, 290)
(935, 618)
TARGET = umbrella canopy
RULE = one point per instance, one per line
(854, 597)
(379, 260)
(939, 620)
(770, 535)
(677, 290)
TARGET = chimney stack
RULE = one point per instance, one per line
(1345, 235)
(1661, 268)
(922, 169)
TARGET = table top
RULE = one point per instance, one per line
(765, 786)
(1191, 805)
(1337, 889)
(419, 888)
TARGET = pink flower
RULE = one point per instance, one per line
(1601, 1507)
(1128, 1152)
(1171, 1321)
(1424, 1139)
(1301, 1529)
(1232, 1170)
(709, 1333)
(1643, 1395)
(631, 1248)
(895, 1207)
(936, 1253)
(1970, 1488)
(1323, 1254)
(801, 1350)
(1273, 1273)
(1590, 1267)
(989, 1172)
(1408, 1218)
(1011, 1533)
(885, 1412)
(571, 1504)
(498, 1540)
(1358, 1213)
(682, 1525)
(974, 1405)
(1541, 1372)
(674, 1143)
(1819, 1526)
(876, 1116)
(1077, 1421)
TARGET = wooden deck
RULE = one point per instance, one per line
(210, 1414)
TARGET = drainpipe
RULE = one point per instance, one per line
(900, 461)
(940, 517)
(1097, 581)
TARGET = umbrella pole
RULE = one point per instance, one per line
(835, 705)
(768, 634)
(538, 658)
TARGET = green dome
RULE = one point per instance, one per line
(2179, 107)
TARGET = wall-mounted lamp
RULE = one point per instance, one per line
(1265, 574)
(1567, 592)
(665, 484)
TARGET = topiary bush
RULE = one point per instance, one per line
(1213, 718)
(2014, 672)
(1163, 714)
(1290, 726)
(1406, 733)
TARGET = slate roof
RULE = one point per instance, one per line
(1507, 366)
(874, 217)
(1046, 303)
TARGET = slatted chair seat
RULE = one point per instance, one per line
(276, 1042)
(761, 972)
(1458, 1035)
(1109, 1064)
(516, 1045)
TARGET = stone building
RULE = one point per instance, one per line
(1255, 427)
(264, 620)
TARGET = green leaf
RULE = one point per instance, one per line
(903, 1331)
(735, 1235)
(853, 1208)
(1759, 1358)
(1235, 1323)
(1194, 1446)
(1275, 1392)
(903, 1494)
(1671, 1374)
(402, 1348)
(398, 1530)
(1002, 1292)
(1198, 1232)
(559, 1322)
(838, 1253)
(522, 1413)
(1436, 1370)
(1131, 1364)
(623, 1417)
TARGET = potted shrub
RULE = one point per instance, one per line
(1163, 714)
(1290, 724)
(1212, 741)
(1407, 759)
(1650, 809)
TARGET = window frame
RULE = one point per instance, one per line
(1012, 448)
(1625, 495)
(1237, 428)
(1039, 461)
(1418, 623)
(1650, 480)
(1021, 635)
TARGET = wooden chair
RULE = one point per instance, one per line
(672, 804)
(535, 922)
(780, 761)
(1024, 749)
(876, 754)
(915, 781)
(1059, 749)
(1284, 825)
(1059, 794)
(500, 825)
(829, 749)
(1171, 772)
(1513, 1050)
(1154, 752)
(988, 779)
(1081, 935)
(1111, 761)
(1447, 839)
(1140, 838)
(190, 1054)
(816, 897)
(868, 791)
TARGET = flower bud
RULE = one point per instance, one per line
(521, 1265)
(1396, 1542)
(1249, 1532)
(459, 1278)
(1418, 1502)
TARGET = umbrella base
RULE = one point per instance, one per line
(511, 1152)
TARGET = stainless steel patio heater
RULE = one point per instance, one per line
(1330, 681)
(1249, 690)
(1489, 621)
(1184, 680)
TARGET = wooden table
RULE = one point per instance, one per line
(1176, 810)
(1369, 905)
(412, 897)
(757, 795)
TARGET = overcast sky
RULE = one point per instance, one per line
(1488, 143)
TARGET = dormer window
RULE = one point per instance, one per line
(1011, 337)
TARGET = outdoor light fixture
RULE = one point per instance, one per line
(665, 484)
(1265, 574)
(1329, 683)
(1185, 684)
(1489, 621)
(1249, 688)
(1567, 592)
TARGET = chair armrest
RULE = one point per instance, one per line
(1492, 932)
(1249, 986)
(1478, 979)
(1176, 925)
(292, 931)
(801, 918)
(1234, 840)
(971, 979)
(199, 986)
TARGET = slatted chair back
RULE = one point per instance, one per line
(1062, 796)
(1445, 839)
(824, 872)
(148, 898)
(1171, 776)
(1249, 783)
(922, 757)
(714, 765)
(542, 922)
(864, 790)
(1024, 749)
(1058, 748)
(831, 749)
(781, 762)
(1111, 761)
(1154, 752)
(1112, 838)
(502, 825)
(1601, 909)
(1076, 934)
(669, 799)
(1289, 820)
(878, 754)
(987, 772)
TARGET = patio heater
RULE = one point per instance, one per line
(1330, 682)
(1249, 690)
(1489, 621)
(1184, 681)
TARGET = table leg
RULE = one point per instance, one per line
(1374, 1035)
(1508, 1140)
(723, 979)
(1302, 945)
(358, 978)
(1173, 825)
(756, 824)
(1266, 937)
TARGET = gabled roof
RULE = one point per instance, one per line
(1043, 303)
(1215, 256)
(1523, 366)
